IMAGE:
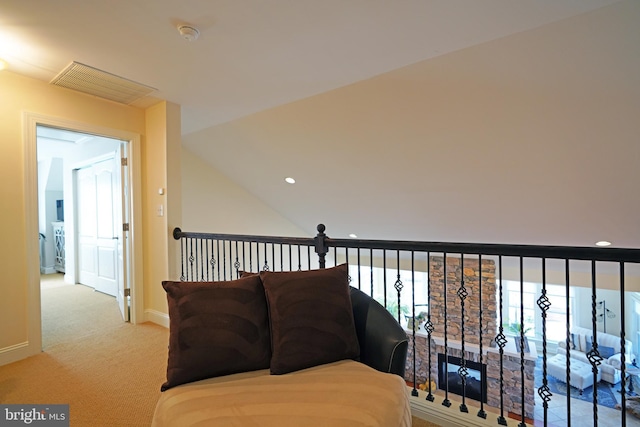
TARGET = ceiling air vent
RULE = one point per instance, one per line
(84, 78)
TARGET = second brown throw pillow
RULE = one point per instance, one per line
(311, 318)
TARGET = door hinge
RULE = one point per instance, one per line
(127, 292)
(125, 227)
(123, 161)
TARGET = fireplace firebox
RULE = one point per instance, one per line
(476, 383)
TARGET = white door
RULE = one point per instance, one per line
(99, 224)
(121, 213)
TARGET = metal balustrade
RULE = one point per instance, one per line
(466, 315)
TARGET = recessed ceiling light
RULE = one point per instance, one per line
(603, 243)
(353, 236)
(290, 180)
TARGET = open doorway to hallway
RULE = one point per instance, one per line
(82, 209)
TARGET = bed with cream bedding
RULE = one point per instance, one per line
(344, 393)
(279, 349)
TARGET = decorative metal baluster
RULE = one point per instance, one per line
(384, 276)
(200, 260)
(237, 263)
(224, 260)
(501, 341)
(212, 261)
(309, 256)
(349, 279)
(359, 275)
(567, 342)
(346, 255)
(209, 258)
(231, 260)
(290, 258)
(543, 302)
(522, 396)
(191, 258)
(258, 256)
(183, 249)
(371, 265)
(299, 258)
(205, 259)
(623, 347)
(281, 258)
(244, 260)
(429, 325)
(446, 401)
(265, 267)
(481, 412)
(218, 252)
(273, 255)
(371, 275)
(398, 285)
(594, 354)
(250, 257)
(414, 392)
(462, 371)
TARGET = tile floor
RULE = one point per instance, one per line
(582, 413)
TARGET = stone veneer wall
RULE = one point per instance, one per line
(470, 271)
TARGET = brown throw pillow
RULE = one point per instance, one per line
(311, 318)
(216, 328)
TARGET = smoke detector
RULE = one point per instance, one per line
(188, 32)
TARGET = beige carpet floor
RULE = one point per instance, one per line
(108, 371)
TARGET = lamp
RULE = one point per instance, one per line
(602, 317)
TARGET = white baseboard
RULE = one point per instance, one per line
(451, 416)
(156, 317)
(16, 352)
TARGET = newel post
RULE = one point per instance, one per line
(321, 245)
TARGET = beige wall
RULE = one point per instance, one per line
(161, 173)
(22, 95)
(19, 331)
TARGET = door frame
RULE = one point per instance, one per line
(134, 242)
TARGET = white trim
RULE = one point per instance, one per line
(30, 121)
(15, 352)
(451, 416)
(157, 317)
(134, 156)
(34, 315)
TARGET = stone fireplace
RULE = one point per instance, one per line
(476, 324)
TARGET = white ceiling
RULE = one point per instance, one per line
(255, 55)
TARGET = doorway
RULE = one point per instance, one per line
(131, 244)
(82, 206)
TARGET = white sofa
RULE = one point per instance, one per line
(606, 343)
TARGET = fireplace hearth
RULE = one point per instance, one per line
(476, 383)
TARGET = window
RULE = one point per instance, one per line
(410, 289)
(556, 314)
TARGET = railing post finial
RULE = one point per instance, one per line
(176, 233)
(321, 244)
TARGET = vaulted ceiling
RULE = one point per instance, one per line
(458, 120)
